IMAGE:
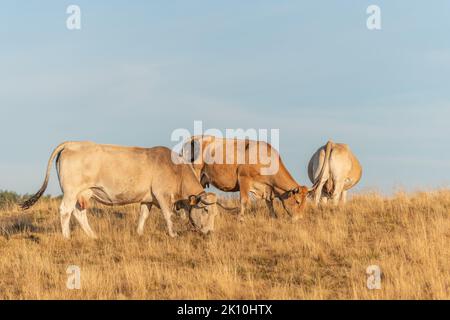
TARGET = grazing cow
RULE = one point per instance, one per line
(117, 175)
(336, 168)
(246, 166)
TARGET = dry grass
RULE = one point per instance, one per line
(322, 256)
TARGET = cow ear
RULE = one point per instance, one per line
(204, 180)
(304, 190)
(190, 150)
(194, 150)
(193, 200)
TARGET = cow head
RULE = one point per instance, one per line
(202, 210)
(294, 201)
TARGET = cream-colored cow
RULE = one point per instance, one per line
(333, 169)
(117, 175)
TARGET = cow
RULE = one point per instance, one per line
(119, 175)
(333, 169)
(233, 165)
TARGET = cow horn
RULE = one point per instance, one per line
(227, 208)
(206, 202)
(202, 200)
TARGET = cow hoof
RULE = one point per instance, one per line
(173, 234)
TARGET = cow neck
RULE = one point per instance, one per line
(189, 184)
(283, 181)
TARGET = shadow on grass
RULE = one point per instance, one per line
(10, 226)
(104, 213)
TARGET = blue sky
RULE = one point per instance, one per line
(138, 70)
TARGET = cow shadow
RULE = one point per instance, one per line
(106, 213)
(10, 226)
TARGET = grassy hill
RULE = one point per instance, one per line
(322, 256)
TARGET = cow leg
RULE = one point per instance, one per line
(65, 211)
(145, 211)
(272, 212)
(244, 188)
(80, 212)
(338, 188)
(167, 212)
(80, 215)
(344, 197)
(324, 200)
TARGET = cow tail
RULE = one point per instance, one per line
(32, 200)
(325, 166)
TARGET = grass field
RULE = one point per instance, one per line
(322, 256)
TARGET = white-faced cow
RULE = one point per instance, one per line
(333, 169)
(246, 166)
(117, 175)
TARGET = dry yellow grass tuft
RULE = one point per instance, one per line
(322, 256)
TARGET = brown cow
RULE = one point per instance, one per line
(246, 166)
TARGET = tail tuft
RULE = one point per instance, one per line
(27, 204)
(31, 201)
